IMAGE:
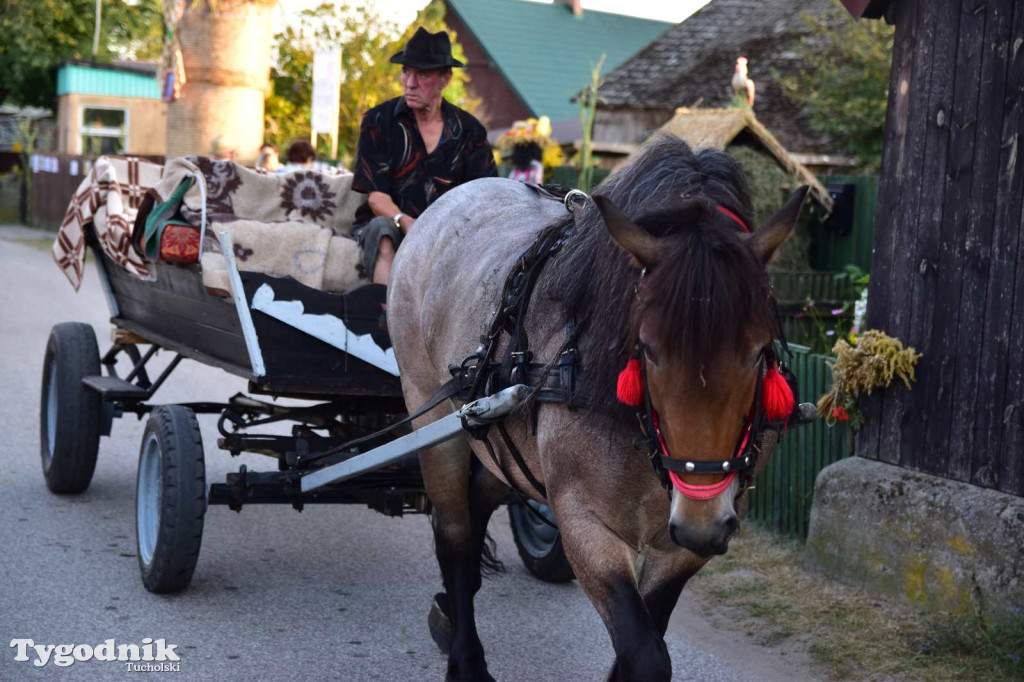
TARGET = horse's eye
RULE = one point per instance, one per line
(651, 355)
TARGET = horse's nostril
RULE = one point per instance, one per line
(732, 525)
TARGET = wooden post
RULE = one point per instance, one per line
(948, 265)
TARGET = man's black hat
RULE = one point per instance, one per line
(426, 50)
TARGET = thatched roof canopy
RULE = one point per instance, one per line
(717, 128)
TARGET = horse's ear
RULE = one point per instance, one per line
(630, 237)
(770, 236)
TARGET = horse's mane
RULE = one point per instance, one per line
(709, 289)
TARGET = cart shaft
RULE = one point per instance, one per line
(489, 408)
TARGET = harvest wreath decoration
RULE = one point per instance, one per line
(870, 362)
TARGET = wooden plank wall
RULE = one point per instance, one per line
(948, 266)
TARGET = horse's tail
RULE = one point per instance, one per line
(490, 565)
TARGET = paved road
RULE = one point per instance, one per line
(331, 593)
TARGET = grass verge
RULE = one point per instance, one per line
(761, 587)
(43, 244)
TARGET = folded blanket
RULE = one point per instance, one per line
(309, 254)
(109, 198)
(286, 225)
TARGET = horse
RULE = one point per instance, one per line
(656, 268)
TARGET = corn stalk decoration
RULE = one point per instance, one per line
(588, 110)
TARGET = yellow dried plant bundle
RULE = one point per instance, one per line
(871, 362)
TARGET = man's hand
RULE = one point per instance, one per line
(382, 205)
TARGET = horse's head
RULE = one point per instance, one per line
(702, 319)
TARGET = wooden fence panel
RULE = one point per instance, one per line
(831, 251)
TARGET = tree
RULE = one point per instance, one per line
(367, 41)
(844, 85)
(35, 35)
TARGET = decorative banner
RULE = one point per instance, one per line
(326, 91)
(172, 66)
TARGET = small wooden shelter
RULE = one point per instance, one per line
(720, 128)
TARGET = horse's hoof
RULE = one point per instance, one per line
(440, 623)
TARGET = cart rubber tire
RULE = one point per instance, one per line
(539, 545)
(69, 413)
(170, 499)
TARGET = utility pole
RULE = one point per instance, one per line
(96, 31)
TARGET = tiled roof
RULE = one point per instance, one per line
(692, 64)
(664, 74)
(546, 53)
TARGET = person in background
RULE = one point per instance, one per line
(300, 156)
(268, 160)
(527, 140)
(412, 149)
(221, 150)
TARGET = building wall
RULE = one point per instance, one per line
(948, 264)
(629, 126)
(501, 106)
(146, 122)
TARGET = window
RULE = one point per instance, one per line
(104, 131)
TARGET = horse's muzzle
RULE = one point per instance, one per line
(709, 541)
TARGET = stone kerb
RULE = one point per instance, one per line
(942, 545)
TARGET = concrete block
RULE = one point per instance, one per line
(942, 545)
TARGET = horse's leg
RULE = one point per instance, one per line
(463, 498)
(662, 577)
(604, 566)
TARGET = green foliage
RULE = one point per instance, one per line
(36, 34)
(844, 86)
(367, 41)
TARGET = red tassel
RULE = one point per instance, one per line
(630, 389)
(776, 395)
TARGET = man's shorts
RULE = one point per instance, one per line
(369, 235)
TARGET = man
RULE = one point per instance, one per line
(300, 156)
(413, 149)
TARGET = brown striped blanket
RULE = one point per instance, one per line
(290, 224)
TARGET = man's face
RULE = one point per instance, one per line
(422, 88)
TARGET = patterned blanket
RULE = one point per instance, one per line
(291, 224)
(109, 198)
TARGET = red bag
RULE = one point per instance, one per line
(179, 244)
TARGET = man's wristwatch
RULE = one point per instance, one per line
(398, 219)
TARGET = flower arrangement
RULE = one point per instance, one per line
(531, 131)
(867, 362)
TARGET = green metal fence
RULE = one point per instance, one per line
(830, 251)
(782, 495)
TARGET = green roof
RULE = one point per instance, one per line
(83, 79)
(546, 53)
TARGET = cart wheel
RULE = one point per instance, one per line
(69, 413)
(170, 499)
(539, 545)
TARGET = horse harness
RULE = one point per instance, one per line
(555, 382)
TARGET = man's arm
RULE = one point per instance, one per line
(480, 163)
(382, 205)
